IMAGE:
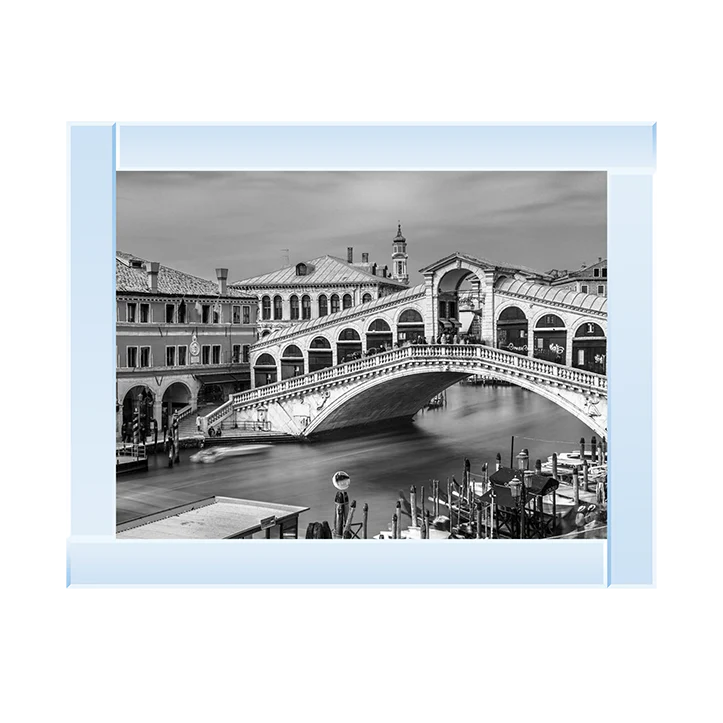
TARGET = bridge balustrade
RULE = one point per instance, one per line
(453, 352)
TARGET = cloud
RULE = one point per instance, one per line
(197, 221)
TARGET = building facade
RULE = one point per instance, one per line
(181, 340)
(591, 279)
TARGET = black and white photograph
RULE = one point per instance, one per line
(361, 355)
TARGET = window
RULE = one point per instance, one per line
(132, 356)
(334, 304)
(170, 356)
(583, 288)
(236, 314)
(246, 350)
(247, 315)
(323, 307)
(216, 314)
(205, 354)
(216, 356)
(170, 314)
(145, 356)
(236, 355)
(596, 272)
(182, 356)
(205, 313)
(266, 308)
(301, 269)
(305, 307)
(145, 313)
(399, 268)
(182, 313)
(605, 273)
(278, 309)
(131, 314)
(601, 290)
(294, 304)
(366, 298)
(347, 301)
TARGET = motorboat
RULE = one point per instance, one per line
(214, 454)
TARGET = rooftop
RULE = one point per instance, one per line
(131, 276)
(214, 518)
(554, 293)
(585, 273)
(324, 270)
(510, 268)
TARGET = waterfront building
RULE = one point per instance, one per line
(591, 279)
(322, 286)
(181, 340)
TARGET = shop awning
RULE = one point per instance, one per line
(221, 377)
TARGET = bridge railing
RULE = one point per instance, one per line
(505, 360)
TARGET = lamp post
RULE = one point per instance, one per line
(516, 488)
(519, 487)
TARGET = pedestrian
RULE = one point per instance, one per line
(198, 422)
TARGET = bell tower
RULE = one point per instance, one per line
(399, 257)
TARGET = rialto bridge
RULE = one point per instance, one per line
(385, 359)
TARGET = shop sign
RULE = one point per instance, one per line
(512, 347)
(557, 349)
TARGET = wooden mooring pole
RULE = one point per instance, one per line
(365, 518)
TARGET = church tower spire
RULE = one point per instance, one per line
(400, 257)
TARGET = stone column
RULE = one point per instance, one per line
(430, 306)
(568, 345)
(489, 334)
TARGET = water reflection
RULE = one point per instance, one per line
(477, 422)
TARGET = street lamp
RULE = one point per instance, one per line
(518, 489)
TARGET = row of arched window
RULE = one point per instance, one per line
(589, 345)
(300, 307)
(349, 346)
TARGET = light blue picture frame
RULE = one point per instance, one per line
(626, 151)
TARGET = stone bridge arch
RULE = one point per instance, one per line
(402, 393)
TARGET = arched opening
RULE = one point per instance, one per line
(366, 298)
(278, 308)
(323, 305)
(347, 301)
(211, 394)
(266, 308)
(410, 327)
(265, 332)
(458, 304)
(294, 307)
(513, 330)
(320, 354)
(348, 346)
(175, 398)
(292, 362)
(265, 371)
(589, 348)
(305, 307)
(550, 339)
(379, 336)
(140, 398)
(334, 303)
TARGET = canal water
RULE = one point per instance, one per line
(477, 422)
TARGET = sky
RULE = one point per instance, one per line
(244, 221)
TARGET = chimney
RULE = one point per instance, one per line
(365, 258)
(374, 269)
(349, 254)
(386, 271)
(222, 275)
(152, 269)
(599, 259)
